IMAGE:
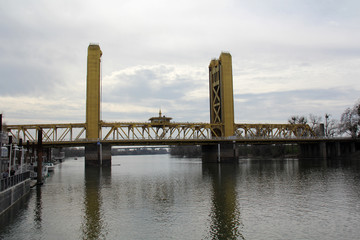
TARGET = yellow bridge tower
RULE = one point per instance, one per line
(95, 154)
(93, 87)
(221, 110)
(221, 94)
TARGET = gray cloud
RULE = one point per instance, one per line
(279, 106)
(296, 55)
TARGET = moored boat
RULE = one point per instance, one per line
(33, 171)
(50, 166)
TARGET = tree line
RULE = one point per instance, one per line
(348, 125)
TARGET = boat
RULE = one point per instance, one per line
(33, 171)
(60, 158)
(50, 166)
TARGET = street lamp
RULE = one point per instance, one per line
(326, 123)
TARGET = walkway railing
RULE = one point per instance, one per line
(8, 182)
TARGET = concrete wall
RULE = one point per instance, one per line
(92, 155)
(223, 153)
(13, 194)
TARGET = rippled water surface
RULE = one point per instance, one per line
(159, 197)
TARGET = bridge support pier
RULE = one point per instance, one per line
(338, 149)
(352, 147)
(220, 153)
(97, 155)
(322, 149)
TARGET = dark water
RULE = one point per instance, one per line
(159, 197)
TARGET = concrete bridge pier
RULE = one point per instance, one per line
(337, 149)
(220, 153)
(97, 155)
(322, 149)
(352, 147)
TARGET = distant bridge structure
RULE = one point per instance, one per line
(217, 137)
(143, 133)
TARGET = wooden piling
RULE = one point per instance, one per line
(0, 134)
(27, 153)
(39, 159)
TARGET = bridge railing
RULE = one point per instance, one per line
(8, 182)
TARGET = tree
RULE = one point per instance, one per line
(297, 120)
(331, 126)
(350, 121)
(314, 123)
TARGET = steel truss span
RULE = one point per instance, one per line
(148, 133)
(271, 131)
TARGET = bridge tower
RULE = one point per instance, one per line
(93, 87)
(96, 154)
(221, 94)
(221, 110)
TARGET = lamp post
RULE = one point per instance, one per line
(326, 124)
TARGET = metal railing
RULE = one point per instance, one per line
(8, 182)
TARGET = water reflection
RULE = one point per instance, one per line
(158, 197)
(94, 226)
(225, 213)
(334, 163)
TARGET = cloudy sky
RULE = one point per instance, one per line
(290, 57)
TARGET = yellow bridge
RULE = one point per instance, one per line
(160, 130)
(142, 133)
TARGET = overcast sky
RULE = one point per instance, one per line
(290, 57)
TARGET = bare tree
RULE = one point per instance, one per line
(314, 123)
(297, 120)
(350, 121)
(331, 126)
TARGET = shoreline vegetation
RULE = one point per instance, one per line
(258, 151)
(187, 151)
(274, 151)
(80, 151)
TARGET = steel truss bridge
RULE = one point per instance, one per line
(171, 133)
(160, 131)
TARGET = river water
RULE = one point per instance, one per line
(161, 197)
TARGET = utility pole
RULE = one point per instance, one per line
(326, 124)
